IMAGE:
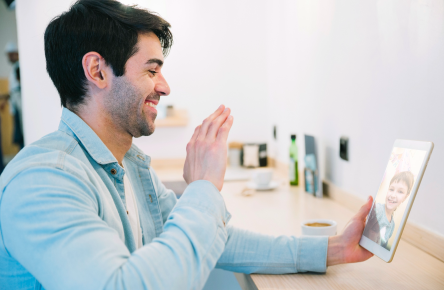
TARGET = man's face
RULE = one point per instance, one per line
(396, 194)
(13, 57)
(134, 96)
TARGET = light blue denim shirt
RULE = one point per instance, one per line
(63, 223)
(384, 223)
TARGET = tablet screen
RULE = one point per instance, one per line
(393, 195)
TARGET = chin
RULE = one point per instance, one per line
(392, 207)
(151, 131)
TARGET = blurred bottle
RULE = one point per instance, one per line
(293, 167)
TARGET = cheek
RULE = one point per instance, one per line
(144, 88)
(144, 85)
(401, 197)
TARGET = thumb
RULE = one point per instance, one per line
(363, 211)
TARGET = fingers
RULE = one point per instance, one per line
(193, 139)
(206, 123)
(189, 165)
(364, 210)
(217, 123)
(222, 134)
(195, 134)
(365, 255)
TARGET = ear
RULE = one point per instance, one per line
(94, 69)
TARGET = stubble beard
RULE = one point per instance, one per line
(126, 106)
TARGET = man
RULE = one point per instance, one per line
(15, 93)
(82, 209)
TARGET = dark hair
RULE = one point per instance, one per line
(406, 177)
(105, 26)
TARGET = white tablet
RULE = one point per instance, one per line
(394, 199)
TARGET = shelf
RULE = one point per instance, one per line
(179, 119)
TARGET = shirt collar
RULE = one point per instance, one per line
(137, 156)
(74, 125)
(86, 137)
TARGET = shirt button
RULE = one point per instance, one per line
(113, 171)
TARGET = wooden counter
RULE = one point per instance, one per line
(281, 212)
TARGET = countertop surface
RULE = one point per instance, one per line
(281, 212)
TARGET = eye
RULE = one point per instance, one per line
(153, 72)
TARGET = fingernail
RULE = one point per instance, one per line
(368, 198)
(221, 106)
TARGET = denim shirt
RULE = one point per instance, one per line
(384, 223)
(63, 223)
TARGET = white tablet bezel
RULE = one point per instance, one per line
(375, 248)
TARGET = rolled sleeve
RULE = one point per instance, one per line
(205, 196)
(312, 254)
(248, 252)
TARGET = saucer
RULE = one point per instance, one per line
(270, 186)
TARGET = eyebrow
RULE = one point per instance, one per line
(155, 60)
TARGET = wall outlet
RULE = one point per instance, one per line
(343, 148)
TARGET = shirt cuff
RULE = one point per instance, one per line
(204, 195)
(312, 254)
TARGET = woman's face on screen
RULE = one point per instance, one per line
(396, 194)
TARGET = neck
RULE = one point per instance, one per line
(389, 213)
(118, 141)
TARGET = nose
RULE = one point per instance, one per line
(391, 194)
(162, 87)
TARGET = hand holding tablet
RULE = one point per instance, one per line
(394, 199)
(345, 248)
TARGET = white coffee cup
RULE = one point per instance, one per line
(313, 227)
(262, 176)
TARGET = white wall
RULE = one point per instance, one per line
(8, 32)
(211, 63)
(370, 70)
(217, 58)
(41, 103)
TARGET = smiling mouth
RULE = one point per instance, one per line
(150, 104)
(392, 201)
(152, 101)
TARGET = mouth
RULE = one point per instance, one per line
(392, 202)
(151, 104)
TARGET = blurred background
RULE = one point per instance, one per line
(369, 70)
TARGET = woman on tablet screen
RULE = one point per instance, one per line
(381, 225)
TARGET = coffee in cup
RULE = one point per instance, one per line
(319, 227)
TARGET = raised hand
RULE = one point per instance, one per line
(207, 149)
(345, 248)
